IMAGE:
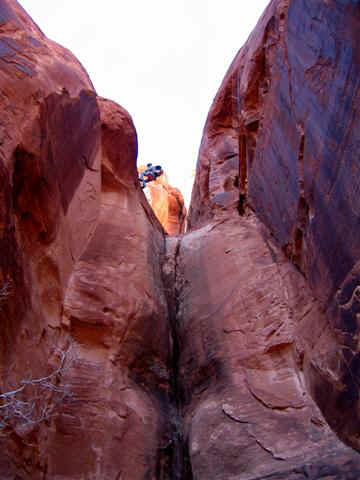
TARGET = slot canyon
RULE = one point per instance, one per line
(141, 351)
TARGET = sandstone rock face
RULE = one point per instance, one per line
(198, 356)
(80, 266)
(167, 203)
(49, 146)
(246, 410)
(116, 312)
(49, 149)
(281, 141)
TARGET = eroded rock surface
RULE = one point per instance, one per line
(80, 265)
(49, 149)
(245, 406)
(281, 141)
(116, 312)
(196, 356)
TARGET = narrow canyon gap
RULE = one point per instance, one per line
(229, 352)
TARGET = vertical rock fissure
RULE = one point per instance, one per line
(250, 112)
(297, 246)
(243, 174)
(180, 462)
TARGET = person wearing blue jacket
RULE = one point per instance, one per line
(150, 174)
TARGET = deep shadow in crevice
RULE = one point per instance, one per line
(36, 199)
(178, 449)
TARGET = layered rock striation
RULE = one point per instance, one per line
(229, 352)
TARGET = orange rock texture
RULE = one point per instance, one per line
(167, 203)
(229, 352)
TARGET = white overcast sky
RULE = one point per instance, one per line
(162, 60)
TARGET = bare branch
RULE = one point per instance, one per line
(35, 400)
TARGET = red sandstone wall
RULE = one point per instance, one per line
(80, 265)
(200, 356)
(281, 142)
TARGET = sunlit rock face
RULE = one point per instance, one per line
(167, 203)
(229, 352)
(280, 145)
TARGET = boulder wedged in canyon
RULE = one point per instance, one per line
(281, 140)
(167, 203)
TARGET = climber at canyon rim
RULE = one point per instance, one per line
(149, 174)
(229, 352)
